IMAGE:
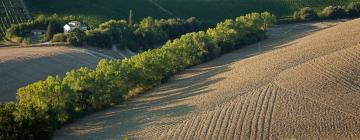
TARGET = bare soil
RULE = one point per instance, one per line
(20, 66)
(300, 83)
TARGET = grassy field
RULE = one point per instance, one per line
(210, 10)
(11, 11)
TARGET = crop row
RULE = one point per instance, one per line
(11, 12)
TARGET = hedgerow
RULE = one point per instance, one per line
(53, 24)
(43, 106)
(329, 12)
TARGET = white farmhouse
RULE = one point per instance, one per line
(74, 25)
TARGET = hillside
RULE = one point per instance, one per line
(210, 10)
(11, 12)
(297, 84)
(21, 66)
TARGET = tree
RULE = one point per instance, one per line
(42, 106)
(98, 38)
(353, 9)
(332, 12)
(306, 14)
(130, 17)
(9, 128)
(50, 31)
(76, 37)
(61, 37)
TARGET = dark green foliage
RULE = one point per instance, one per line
(43, 106)
(306, 14)
(207, 10)
(330, 12)
(148, 34)
(131, 17)
(333, 12)
(50, 31)
(8, 126)
(18, 32)
(354, 9)
(76, 37)
(98, 38)
(120, 32)
(60, 37)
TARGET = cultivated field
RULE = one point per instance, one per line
(11, 12)
(300, 83)
(21, 66)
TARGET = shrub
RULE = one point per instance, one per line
(76, 37)
(61, 37)
(53, 24)
(98, 38)
(333, 12)
(43, 106)
(353, 9)
(93, 89)
(306, 14)
(8, 126)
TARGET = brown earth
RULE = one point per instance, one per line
(21, 66)
(300, 83)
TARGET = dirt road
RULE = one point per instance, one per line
(300, 83)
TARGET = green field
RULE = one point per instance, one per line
(210, 10)
(11, 11)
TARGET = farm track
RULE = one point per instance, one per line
(300, 83)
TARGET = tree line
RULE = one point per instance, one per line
(330, 12)
(44, 106)
(21, 32)
(147, 34)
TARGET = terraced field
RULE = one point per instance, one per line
(300, 83)
(11, 12)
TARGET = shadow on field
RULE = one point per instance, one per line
(164, 101)
(18, 72)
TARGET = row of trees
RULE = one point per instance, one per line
(43, 106)
(147, 34)
(330, 12)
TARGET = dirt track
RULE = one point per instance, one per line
(21, 66)
(288, 86)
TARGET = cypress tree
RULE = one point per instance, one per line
(130, 17)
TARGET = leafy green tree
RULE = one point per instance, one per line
(42, 107)
(148, 33)
(76, 37)
(354, 9)
(50, 31)
(61, 37)
(268, 20)
(306, 14)
(98, 38)
(82, 81)
(332, 12)
(9, 128)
